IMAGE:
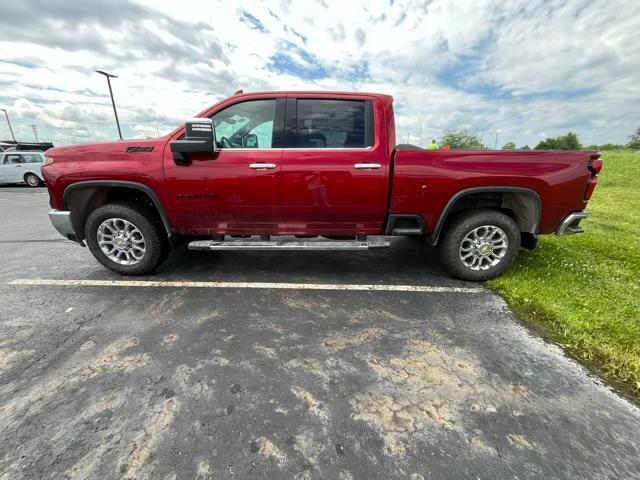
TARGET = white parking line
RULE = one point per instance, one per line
(265, 285)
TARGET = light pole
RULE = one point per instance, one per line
(9, 123)
(115, 112)
(495, 145)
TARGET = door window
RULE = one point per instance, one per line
(31, 158)
(246, 125)
(333, 124)
(12, 159)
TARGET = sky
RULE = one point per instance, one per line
(508, 70)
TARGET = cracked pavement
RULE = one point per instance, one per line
(125, 382)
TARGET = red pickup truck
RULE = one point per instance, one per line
(310, 170)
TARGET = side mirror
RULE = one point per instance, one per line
(199, 137)
(250, 140)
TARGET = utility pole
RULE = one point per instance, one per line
(155, 119)
(35, 131)
(420, 118)
(9, 123)
(495, 145)
(115, 112)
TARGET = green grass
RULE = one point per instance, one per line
(583, 291)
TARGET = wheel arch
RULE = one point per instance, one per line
(31, 172)
(523, 204)
(81, 198)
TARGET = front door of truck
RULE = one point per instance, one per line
(234, 190)
(334, 169)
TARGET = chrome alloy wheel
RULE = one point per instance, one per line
(484, 247)
(121, 241)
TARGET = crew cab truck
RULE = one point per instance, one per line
(310, 170)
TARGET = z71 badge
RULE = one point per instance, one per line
(139, 149)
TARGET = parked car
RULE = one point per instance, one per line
(22, 167)
(321, 167)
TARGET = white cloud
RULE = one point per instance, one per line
(528, 68)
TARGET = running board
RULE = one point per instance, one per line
(407, 231)
(287, 244)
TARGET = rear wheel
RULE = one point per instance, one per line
(479, 245)
(32, 180)
(126, 238)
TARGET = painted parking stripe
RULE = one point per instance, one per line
(265, 285)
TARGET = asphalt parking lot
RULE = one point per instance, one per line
(242, 376)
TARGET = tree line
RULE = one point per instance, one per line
(464, 140)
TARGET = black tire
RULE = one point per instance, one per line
(156, 243)
(32, 180)
(464, 224)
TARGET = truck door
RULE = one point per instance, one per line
(234, 190)
(334, 169)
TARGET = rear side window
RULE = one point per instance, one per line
(31, 158)
(333, 124)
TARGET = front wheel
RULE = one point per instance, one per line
(126, 238)
(479, 245)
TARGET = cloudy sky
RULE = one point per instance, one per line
(529, 69)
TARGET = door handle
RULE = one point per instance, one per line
(262, 165)
(367, 166)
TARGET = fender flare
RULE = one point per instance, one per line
(435, 235)
(124, 184)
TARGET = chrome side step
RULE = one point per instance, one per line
(407, 231)
(288, 244)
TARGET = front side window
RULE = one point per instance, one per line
(245, 125)
(12, 159)
(333, 124)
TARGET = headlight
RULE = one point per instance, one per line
(48, 160)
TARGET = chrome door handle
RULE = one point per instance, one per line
(262, 165)
(367, 166)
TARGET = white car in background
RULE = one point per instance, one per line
(22, 167)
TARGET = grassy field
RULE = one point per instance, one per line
(583, 291)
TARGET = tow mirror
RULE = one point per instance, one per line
(199, 137)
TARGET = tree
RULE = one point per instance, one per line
(563, 142)
(526, 147)
(461, 140)
(606, 146)
(634, 140)
(509, 146)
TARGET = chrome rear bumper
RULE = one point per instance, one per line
(571, 223)
(61, 221)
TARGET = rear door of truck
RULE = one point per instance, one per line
(334, 165)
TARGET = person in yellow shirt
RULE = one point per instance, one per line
(433, 145)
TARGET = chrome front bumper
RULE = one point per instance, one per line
(61, 221)
(571, 223)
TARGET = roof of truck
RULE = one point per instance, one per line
(241, 93)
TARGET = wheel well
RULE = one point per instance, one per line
(82, 201)
(522, 205)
